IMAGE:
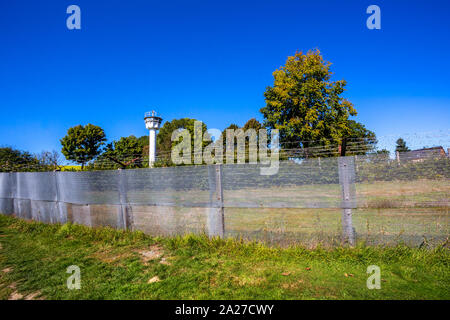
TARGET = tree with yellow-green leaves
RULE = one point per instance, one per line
(306, 105)
(82, 143)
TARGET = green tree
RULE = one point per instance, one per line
(164, 141)
(82, 143)
(252, 124)
(401, 145)
(223, 136)
(17, 160)
(305, 105)
(383, 152)
(125, 152)
(360, 140)
(255, 125)
(380, 156)
(231, 126)
(130, 146)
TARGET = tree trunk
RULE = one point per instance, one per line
(343, 147)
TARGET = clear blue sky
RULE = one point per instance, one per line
(212, 60)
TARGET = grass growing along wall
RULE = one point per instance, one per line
(131, 265)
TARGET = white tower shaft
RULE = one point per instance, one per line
(152, 148)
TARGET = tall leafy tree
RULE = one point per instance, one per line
(359, 139)
(305, 104)
(223, 139)
(17, 160)
(382, 155)
(255, 125)
(223, 136)
(401, 145)
(252, 124)
(82, 143)
(231, 126)
(164, 141)
(130, 146)
(125, 152)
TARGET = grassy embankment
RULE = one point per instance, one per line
(130, 265)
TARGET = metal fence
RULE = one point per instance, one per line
(313, 201)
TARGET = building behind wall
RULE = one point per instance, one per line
(422, 154)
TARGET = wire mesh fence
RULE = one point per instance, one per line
(312, 201)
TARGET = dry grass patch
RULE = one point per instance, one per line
(15, 296)
(34, 296)
(164, 261)
(293, 285)
(248, 280)
(110, 256)
(154, 252)
(154, 279)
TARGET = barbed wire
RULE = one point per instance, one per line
(286, 149)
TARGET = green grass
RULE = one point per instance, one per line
(34, 258)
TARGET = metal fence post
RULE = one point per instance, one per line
(125, 209)
(216, 218)
(12, 191)
(347, 180)
(59, 205)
